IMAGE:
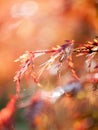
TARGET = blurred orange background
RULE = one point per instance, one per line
(40, 24)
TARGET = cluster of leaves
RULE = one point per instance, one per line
(59, 54)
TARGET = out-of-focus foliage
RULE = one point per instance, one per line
(29, 25)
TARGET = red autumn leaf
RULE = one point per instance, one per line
(7, 113)
(27, 59)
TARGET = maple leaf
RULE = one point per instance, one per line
(60, 52)
(88, 49)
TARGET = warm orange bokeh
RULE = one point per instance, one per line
(32, 25)
(41, 24)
